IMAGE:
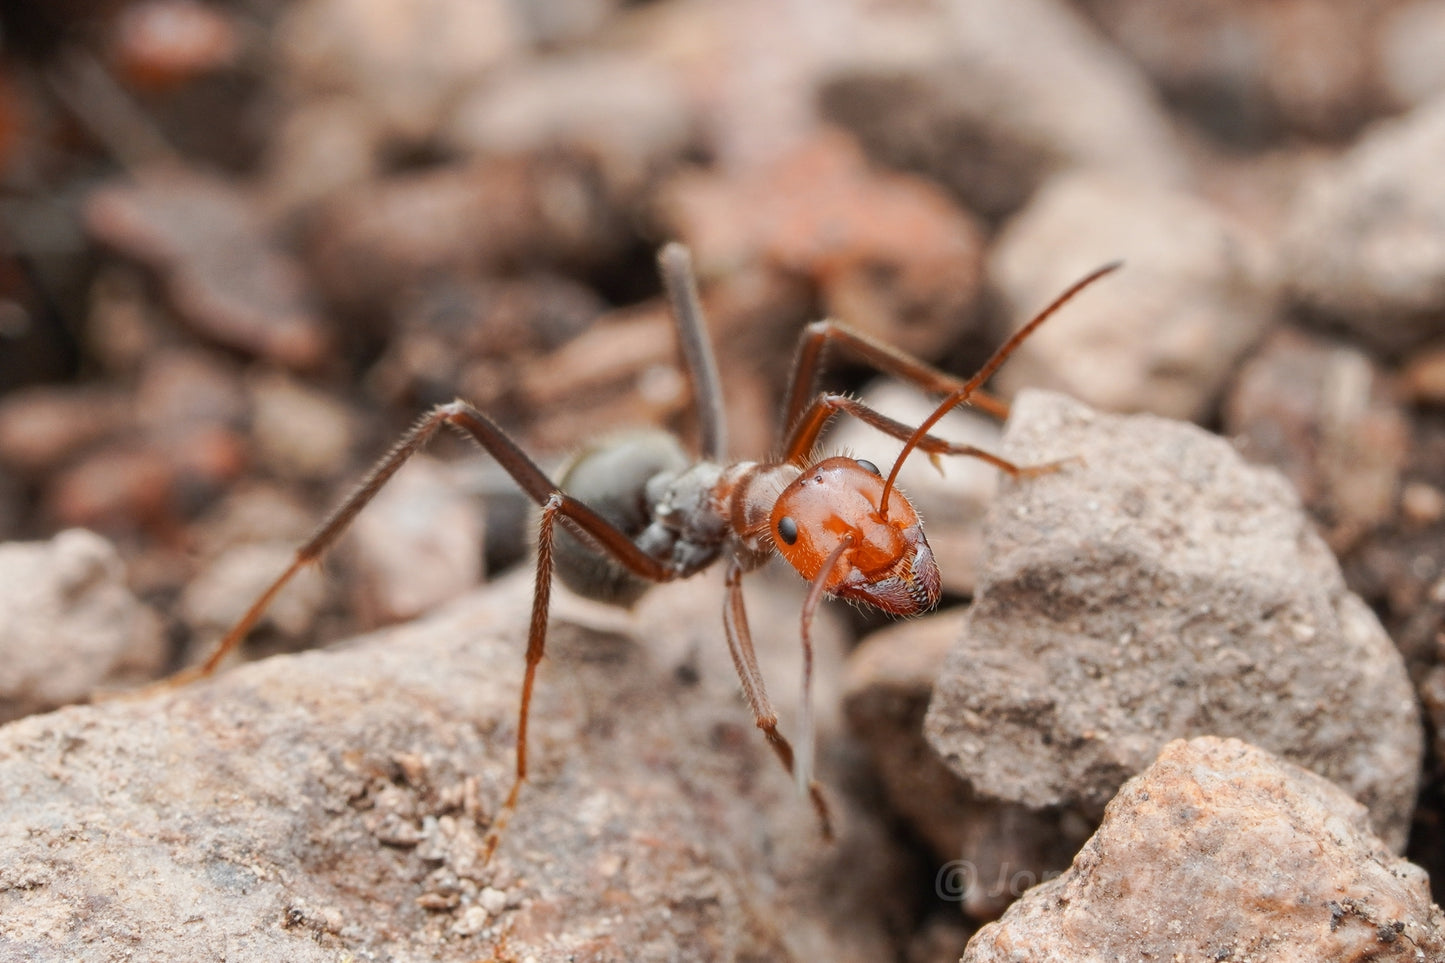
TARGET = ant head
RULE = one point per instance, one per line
(887, 564)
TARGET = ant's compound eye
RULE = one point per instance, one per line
(869, 467)
(788, 530)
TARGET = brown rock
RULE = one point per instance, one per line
(42, 427)
(1220, 851)
(1322, 413)
(1410, 35)
(1160, 588)
(1251, 73)
(299, 431)
(625, 110)
(68, 624)
(122, 487)
(224, 588)
(1165, 332)
(889, 253)
(372, 243)
(336, 803)
(221, 272)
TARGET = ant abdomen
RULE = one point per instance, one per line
(611, 478)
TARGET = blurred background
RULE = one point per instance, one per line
(245, 244)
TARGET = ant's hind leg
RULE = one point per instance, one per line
(486, 433)
(323, 538)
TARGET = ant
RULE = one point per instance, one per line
(641, 510)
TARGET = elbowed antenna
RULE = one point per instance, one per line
(984, 373)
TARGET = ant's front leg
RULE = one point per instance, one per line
(745, 660)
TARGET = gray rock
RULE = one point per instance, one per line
(1220, 851)
(1159, 588)
(1365, 243)
(1166, 332)
(69, 624)
(985, 96)
(990, 851)
(334, 804)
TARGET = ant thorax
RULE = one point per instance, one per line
(682, 512)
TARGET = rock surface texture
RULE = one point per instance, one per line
(334, 806)
(1220, 851)
(1159, 588)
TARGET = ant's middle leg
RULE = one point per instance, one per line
(805, 435)
(817, 337)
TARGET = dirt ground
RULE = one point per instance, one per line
(246, 244)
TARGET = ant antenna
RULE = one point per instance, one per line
(992, 365)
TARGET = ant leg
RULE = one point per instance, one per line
(536, 648)
(486, 433)
(818, 336)
(825, 405)
(675, 264)
(816, 590)
(326, 533)
(740, 646)
(554, 502)
(804, 433)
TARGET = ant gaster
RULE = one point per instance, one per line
(642, 510)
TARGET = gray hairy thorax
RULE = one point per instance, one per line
(672, 507)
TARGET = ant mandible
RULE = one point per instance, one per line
(657, 514)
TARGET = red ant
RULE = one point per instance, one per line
(657, 514)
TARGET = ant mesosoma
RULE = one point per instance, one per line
(642, 510)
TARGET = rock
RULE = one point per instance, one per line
(960, 91)
(224, 588)
(1323, 413)
(626, 110)
(417, 544)
(221, 271)
(299, 431)
(406, 61)
(1163, 334)
(1409, 37)
(1220, 851)
(1423, 378)
(42, 427)
(373, 243)
(69, 625)
(1365, 245)
(1250, 74)
(1159, 588)
(470, 337)
(163, 44)
(993, 851)
(121, 488)
(889, 253)
(335, 803)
